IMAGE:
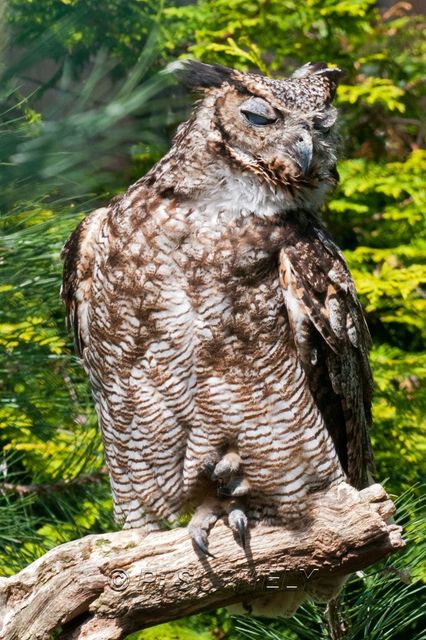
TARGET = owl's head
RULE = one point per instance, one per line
(283, 132)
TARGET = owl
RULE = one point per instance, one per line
(217, 320)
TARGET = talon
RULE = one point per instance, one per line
(242, 532)
(237, 520)
(199, 540)
(202, 521)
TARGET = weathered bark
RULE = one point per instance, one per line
(103, 587)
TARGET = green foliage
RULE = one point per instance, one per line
(399, 414)
(389, 268)
(63, 29)
(172, 631)
(98, 117)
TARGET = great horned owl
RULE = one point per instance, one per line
(217, 320)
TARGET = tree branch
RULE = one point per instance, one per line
(51, 487)
(103, 587)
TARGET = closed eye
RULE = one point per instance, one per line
(257, 119)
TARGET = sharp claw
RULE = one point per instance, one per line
(241, 526)
(237, 520)
(200, 543)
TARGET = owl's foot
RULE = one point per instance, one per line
(202, 521)
(230, 485)
(227, 466)
(237, 521)
(234, 488)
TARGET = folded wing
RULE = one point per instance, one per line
(332, 340)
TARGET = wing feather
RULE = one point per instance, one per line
(332, 339)
(78, 255)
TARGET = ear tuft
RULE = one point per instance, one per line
(315, 69)
(198, 75)
(308, 69)
(333, 76)
(320, 69)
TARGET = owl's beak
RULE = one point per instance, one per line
(303, 151)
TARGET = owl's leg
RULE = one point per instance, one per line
(227, 466)
(236, 487)
(202, 521)
(232, 485)
(225, 472)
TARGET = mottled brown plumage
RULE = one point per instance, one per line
(217, 320)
